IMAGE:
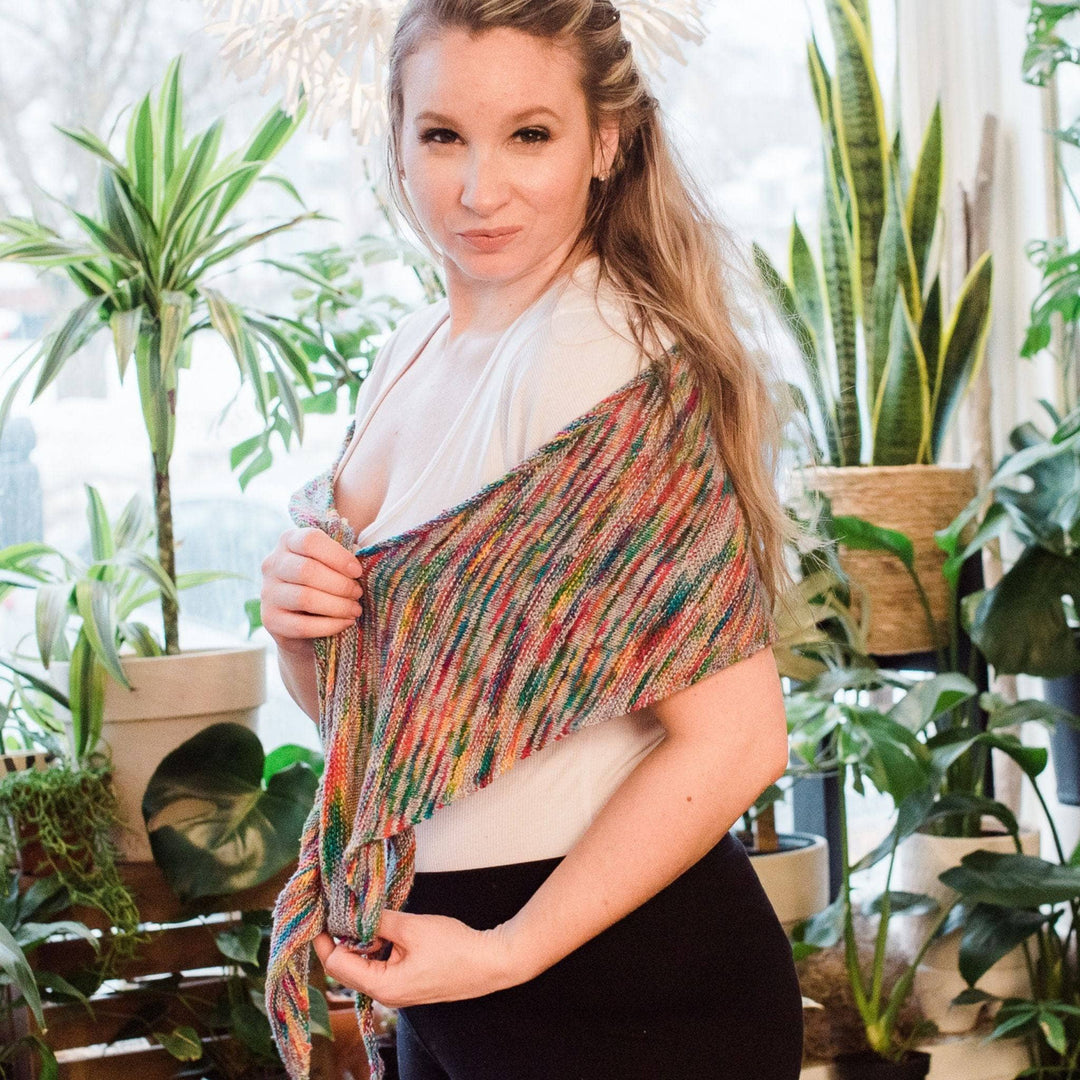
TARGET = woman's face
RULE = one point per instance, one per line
(497, 152)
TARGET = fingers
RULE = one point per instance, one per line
(324, 946)
(310, 587)
(315, 544)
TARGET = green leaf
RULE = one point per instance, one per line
(17, 973)
(930, 698)
(902, 903)
(289, 754)
(170, 117)
(924, 195)
(241, 944)
(183, 1043)
(185, 184)
(838, 260)
(991, 932)
(50, 618)
(857, 533)
(963, 346)
(214, 828)
(1021, 625)
(95, 602)
(125, 329)
(175, 316)
(86, 691)
(67, 341)
(101, 537)
(1021, 881)
(900, 417)
(140, 152)
(859, 117)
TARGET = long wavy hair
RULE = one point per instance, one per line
(660, 247)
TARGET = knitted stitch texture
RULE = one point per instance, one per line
(594, 578)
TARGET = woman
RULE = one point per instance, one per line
(587, 914)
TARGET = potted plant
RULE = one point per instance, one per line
(880, 312)
(894, 750)
(969, 824)
(95, 659)
(223, 816)
(1005, 897)
(144, 265)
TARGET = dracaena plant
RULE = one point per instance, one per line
(874, 338)
(144, 264)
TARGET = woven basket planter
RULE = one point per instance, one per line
(916, 500)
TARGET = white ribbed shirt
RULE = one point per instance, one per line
(562, 355)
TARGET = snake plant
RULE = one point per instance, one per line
(885, 364)
(143, 264)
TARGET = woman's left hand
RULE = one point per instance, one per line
(434, 958)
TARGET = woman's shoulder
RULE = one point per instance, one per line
(573, 351)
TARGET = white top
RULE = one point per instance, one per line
(553, 363)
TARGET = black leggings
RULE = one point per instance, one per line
(698, 983)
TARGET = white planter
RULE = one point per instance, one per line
(919, 860)
(796, 881)
(173, 698)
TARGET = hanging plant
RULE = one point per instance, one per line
(61, 821)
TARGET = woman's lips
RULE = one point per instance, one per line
(489, 239)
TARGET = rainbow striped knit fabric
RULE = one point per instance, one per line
(597, 576)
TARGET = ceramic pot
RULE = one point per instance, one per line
(920, 858)
(795, 878)
(173, 698)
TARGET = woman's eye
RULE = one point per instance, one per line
(534, 135)
(438, 135)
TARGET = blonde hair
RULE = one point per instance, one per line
(658, 244)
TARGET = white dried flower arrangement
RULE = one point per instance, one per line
(335, 49)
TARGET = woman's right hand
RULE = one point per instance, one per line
(309, 589)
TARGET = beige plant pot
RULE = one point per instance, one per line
(796, 880)
(173, 698)
(916, 500)
(920, 858)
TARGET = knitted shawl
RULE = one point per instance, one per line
(597, 576)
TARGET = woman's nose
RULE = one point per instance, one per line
(485, 186)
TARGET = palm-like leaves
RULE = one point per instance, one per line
(142, 263)
(99, 598)
(877, 352)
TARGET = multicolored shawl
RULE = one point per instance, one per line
(595, 577)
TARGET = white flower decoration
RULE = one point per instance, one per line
(336, 49)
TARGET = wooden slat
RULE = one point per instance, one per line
(159, 904)
(117, 1015)
(156, 1063)
(174, 948)
(171, 948)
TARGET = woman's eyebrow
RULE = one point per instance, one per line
(517, 118)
